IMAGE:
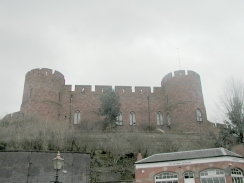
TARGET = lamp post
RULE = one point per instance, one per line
(57, 163)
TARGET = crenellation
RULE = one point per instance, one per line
(101, 88)
(83, 88)
(194, 74)
(143, 89)
(59, 75)
(123, 89)
(67, 88)
(165, 78)
(180, 94)
(179, 73)
(156, 90)
(46, 72)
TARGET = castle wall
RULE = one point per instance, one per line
(41, 93)
(183, 96)
(46, 96)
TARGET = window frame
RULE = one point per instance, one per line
(212, 174)
(119, 120)
(236, 178)
(199, 115)
(160, 120)
(166, 177)
(168, 119)
(132, 118)
(77, 117)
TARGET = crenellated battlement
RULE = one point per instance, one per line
(173, 103)
(119, 89)
(180, 73)
(45, 72)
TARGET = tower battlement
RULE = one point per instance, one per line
(45, 72)
(180, 73)
(173, 104)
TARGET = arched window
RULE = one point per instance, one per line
(132, 118)
(159, 118)
(237, 175)
(77, 117)
(167, 177)
(189, 177)
(199, 115)
(212, 175)
(168, 119)
(119, 119)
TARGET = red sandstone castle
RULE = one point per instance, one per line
(177, 105)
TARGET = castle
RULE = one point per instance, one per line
(177, 105)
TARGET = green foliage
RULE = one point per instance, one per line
(110, 106)
(2, 145)
(226, 138)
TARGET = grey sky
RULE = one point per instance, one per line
(129, 42)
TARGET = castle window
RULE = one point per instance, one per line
(199, 115)
(212, 175)
(119, 119)
(159, 118)
(168, 119)
(77, 117)
(83, 90)
(237, 175)
(123, 90)
(141, 91)
(132, 118)
(167, 177)
(189, 177)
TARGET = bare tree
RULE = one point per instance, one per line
(231, 107)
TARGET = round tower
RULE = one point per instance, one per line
(183, 101)
(42, 94)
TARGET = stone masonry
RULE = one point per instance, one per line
(48, 97)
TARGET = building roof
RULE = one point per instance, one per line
(184, 155)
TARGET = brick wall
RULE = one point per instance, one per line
(147, 175)
(46, 96)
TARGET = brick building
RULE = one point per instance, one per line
(176, 105)
(198, 166)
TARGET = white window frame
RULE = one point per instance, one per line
(132, 118)
(168, 119)
(190, 178)
(212, 174)
(199, 115)
(237, 175)
(159, 118)
(119, 121)
(77, 117)
(166, 177)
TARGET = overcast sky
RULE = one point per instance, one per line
(115, 42)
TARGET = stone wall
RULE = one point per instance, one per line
(37, 167)
(179, 96)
